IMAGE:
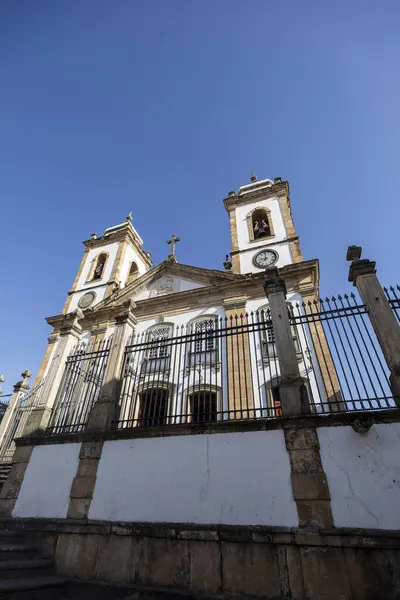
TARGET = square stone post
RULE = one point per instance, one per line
(104, 412)
(362, 274)
(69, 336)
(20, 389)
(293, 392)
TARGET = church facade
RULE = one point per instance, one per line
(219, 431)
(202, 347)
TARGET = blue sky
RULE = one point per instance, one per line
(160, 107)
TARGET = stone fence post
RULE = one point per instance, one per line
(362, 274)
(105, 409)
(70, 332)
(293, 392)
(103, 413)
(20, 389)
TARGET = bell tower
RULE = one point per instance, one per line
(262, 228)
(109, 262)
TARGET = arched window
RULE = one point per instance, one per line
(203, 406)
(259, 224)
(99, 266)
(133, 273)
(153, 408)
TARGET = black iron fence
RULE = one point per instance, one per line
(215, 369)
(80, 387)
(226, 368)
(393, 296)
(4, 402)
(18, 417)
(341, 347)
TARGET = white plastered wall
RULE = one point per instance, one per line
(47, 482)
(131, 255)
(233, 478)
(363, 473)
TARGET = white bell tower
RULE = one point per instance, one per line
(110, 262)
(262, 228)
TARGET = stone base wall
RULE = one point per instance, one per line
(262, 562)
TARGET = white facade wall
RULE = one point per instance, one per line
(232, 478)
(47, 483)
(131, 255)
(363, 473)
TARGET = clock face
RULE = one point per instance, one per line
(265, 258)
(86, 299)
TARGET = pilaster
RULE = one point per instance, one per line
(104, 412)
(240, 389)
(70, 332)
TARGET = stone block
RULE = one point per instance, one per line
(22, 454)
(102, 415)
(373, 573)
(250, 569)
(78, 508)
(10, 489)
(300, 438)
(17, 472)
(205, 567)
(91, 450)
(195, 534)
(6, 507)
(325, 574)
(77, 555)
(315, 513)
(236, 535)
(168, 562)
(295, 573)
(310, 486)
(88, 467)
(82, 487)
(117, 559)
(307, 460)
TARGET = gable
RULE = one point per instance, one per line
(167, 284)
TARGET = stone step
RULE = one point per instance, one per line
(31, 567)
(10, 550)
(33, 588)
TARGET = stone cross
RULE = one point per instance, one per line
(173, 241)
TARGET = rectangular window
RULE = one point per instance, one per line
(158, 347)
(204, 336)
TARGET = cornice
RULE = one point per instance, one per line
(300, 277)
(277, 189)
(121, 235)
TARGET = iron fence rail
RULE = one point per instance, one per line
(226, 368)
(24, 406)
(340, 339)
(80, 387)
(393, 296)
(204, 374)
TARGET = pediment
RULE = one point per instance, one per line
(168, 278)
(167, 284)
